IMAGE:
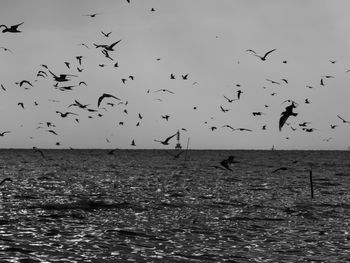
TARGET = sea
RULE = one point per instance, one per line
(171, 206)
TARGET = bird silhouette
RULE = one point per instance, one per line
(61, 77)
(3, 133)
(239, 92)
(11, 29)
(21, 104)
(165, 90)
(93, 15)
(24, 82)
(263, 58)
(229, 100)
(344, 121)
(103, 96)
(184, 77)
(286, 114)
(166, 117)
(108, 47)
(6, 49)
(106, 34)
(65, 114)
(166, 141)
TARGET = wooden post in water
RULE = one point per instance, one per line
(188, 143)
(311, 184)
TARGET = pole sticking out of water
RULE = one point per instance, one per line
(311, 184)
(188, 143)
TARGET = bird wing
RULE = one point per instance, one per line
(105, 95)
(283, 120)
(341, 118)
(112, 45)
(272, 50)
(169, 138)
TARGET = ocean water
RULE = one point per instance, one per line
(147, 206)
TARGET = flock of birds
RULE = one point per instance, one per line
(66, 82)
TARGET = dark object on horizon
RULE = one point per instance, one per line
(285, 115)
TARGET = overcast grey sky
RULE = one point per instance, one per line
(205, 39)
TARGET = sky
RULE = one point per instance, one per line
(206, 39)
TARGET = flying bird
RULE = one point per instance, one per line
(65, 114)
(106, 34)
(344, 121)
(108, 47)
(11, 29)
(166, 141)
(62, 77)
(6, 49)
(103, 96)
(165, 90)
(263, 58)
(285, 115)
(3, 133)
(92, 15)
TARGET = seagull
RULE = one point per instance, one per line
(263, 58)
(105, 95)
(285, 115)
(229, 100)
(20, 104)
(52, 131)
(61, 77)
(165, 90)
(243, 129)
(11, 29)
(63, 115)
(106, 34)
(166, 141)
(273, 82)
(92, 15)
(3, 88)
(228, 126)
(166, 117)
(79, 58)
(6, 49)
(224, 110)
(344, 121)
(184, 77)
(108, 47)
(24, 82)
(3, 133)
(239, 92)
